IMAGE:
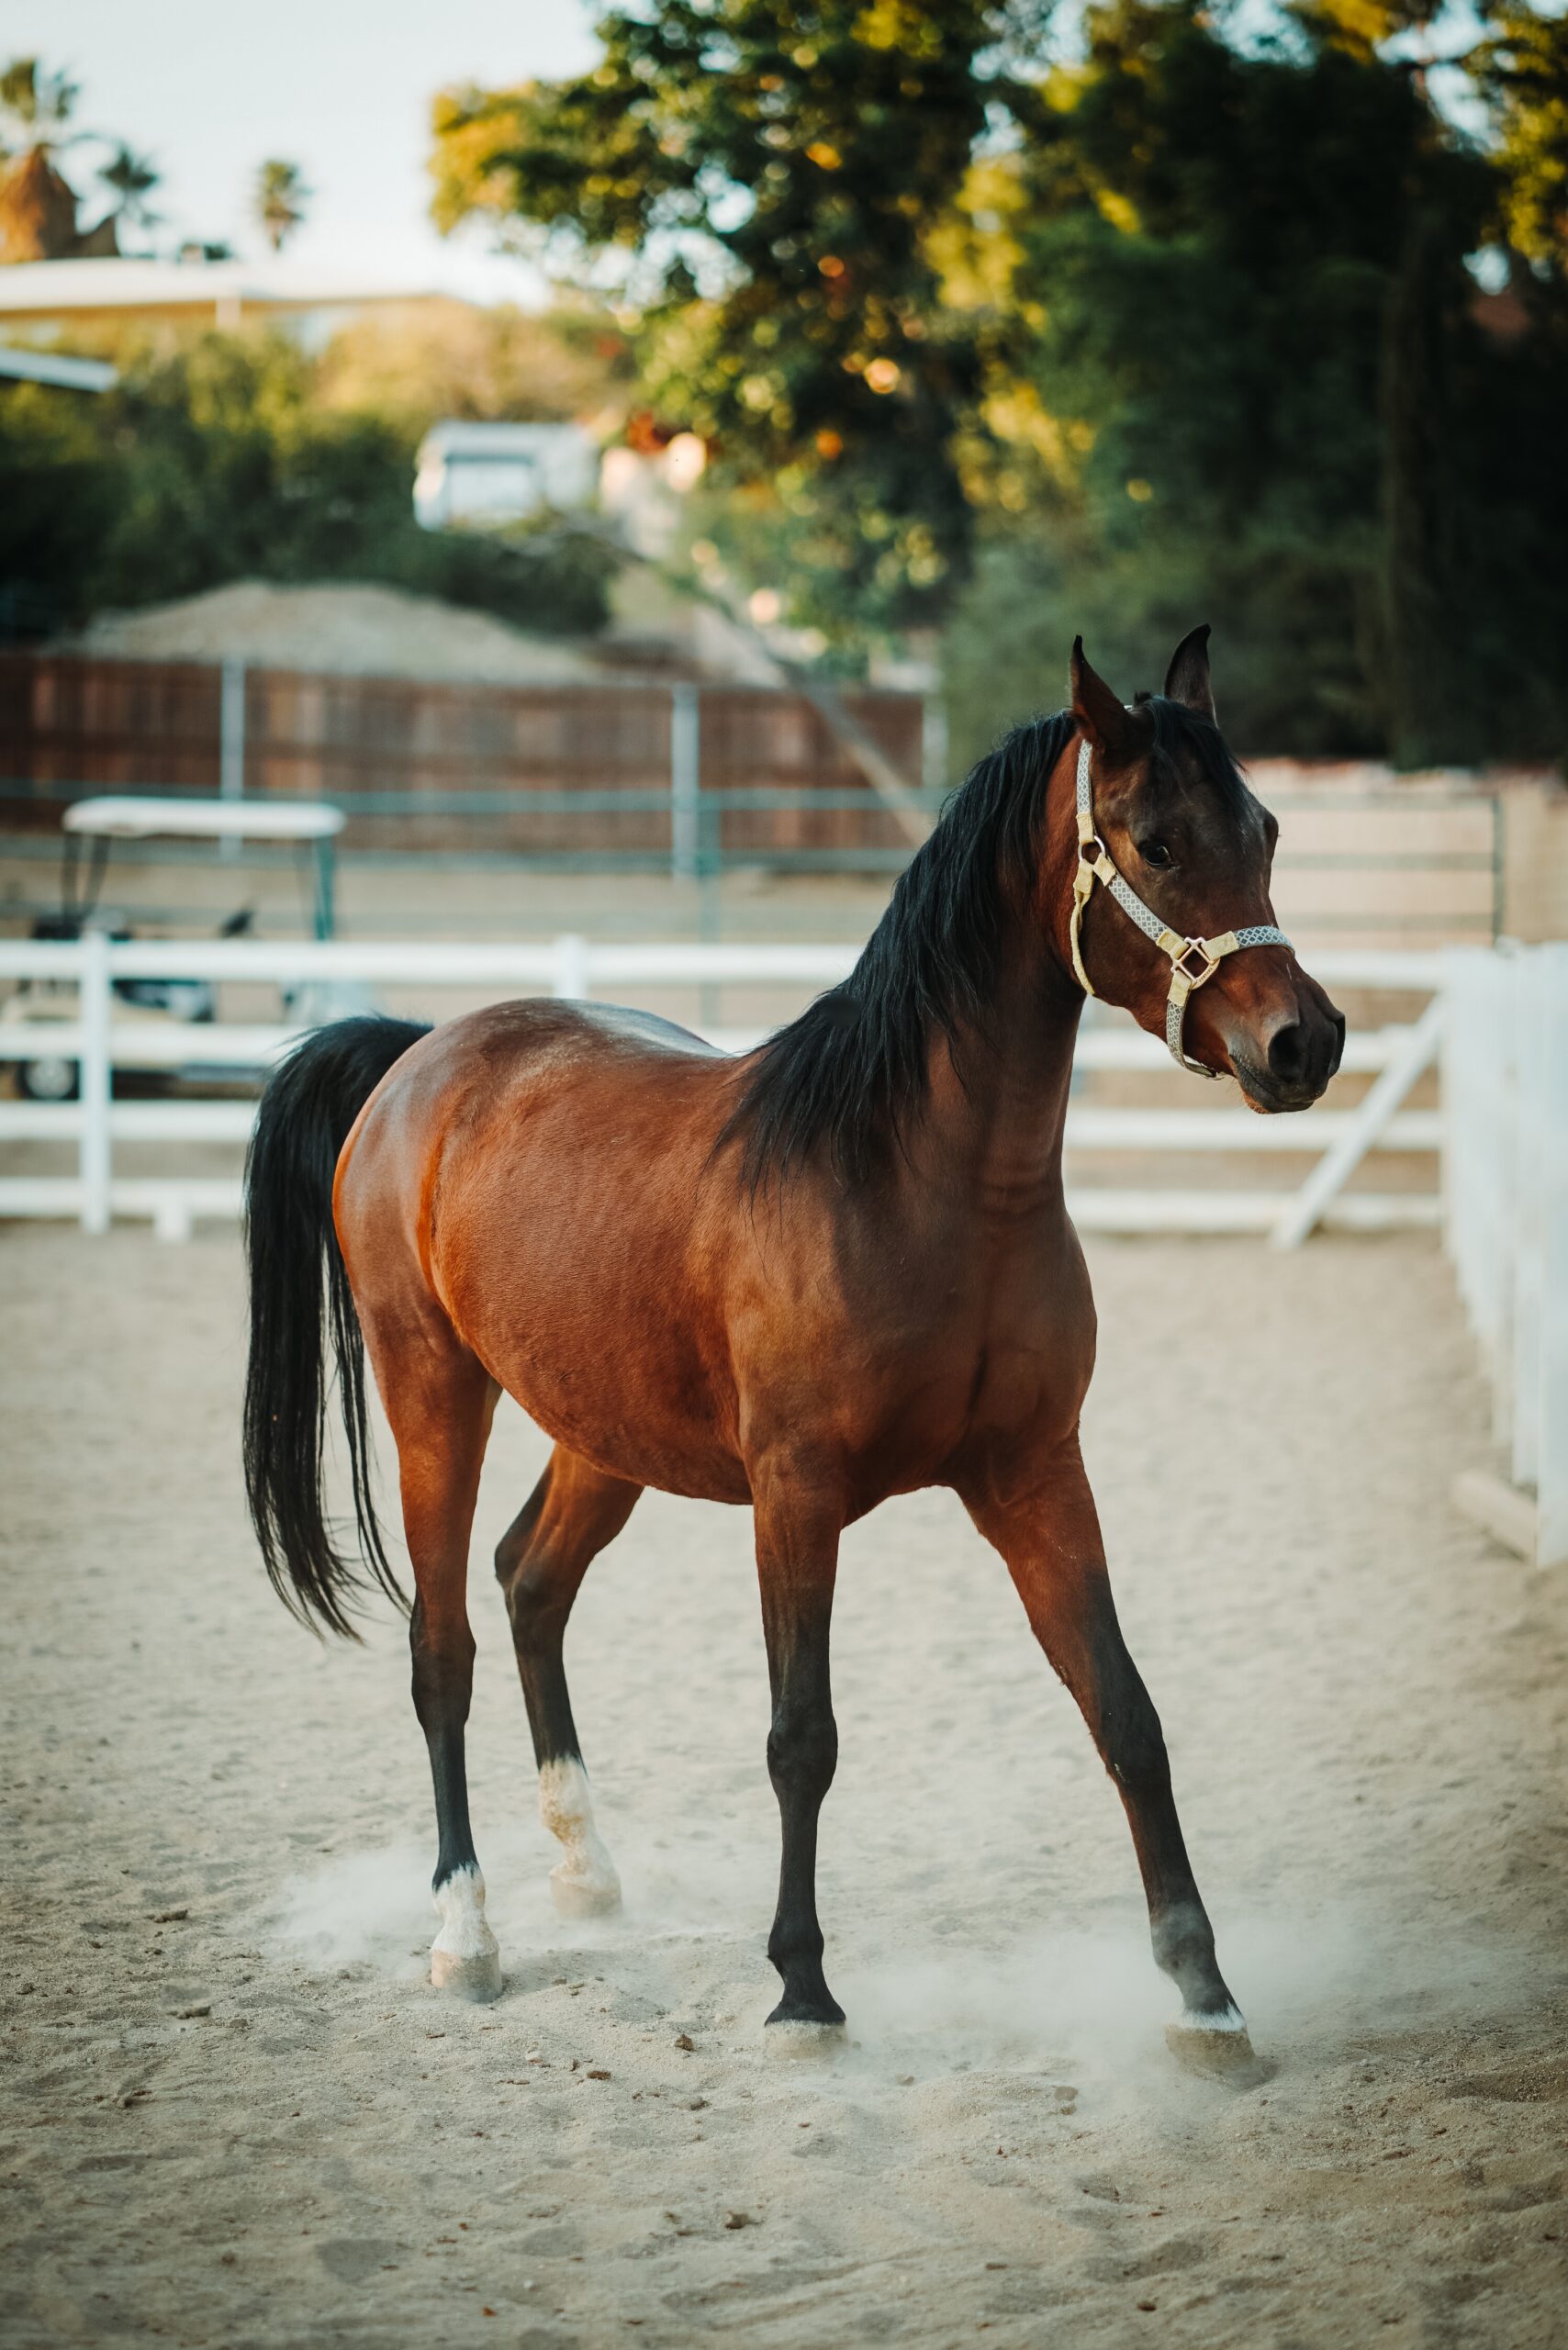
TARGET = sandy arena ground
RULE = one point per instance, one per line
(236, 2114)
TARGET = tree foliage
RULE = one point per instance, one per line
(279, 201)
(38, 204)
(777, 170)
(1523, 69)
(1287, 402)
(1179, 321)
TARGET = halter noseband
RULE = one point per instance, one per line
(1192, 960)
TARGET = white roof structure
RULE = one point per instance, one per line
(126, 818)
(62, 292)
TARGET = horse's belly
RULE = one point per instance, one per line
(606, 1358)
(625, 1439)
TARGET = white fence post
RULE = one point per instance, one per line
(571, 979)
(93, 1165)
(1528, 1314)
(1552, 1540)
(1506, 1209)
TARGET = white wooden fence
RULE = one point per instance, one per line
(1505, 1067)
(102, 1040)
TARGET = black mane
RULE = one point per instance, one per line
(844, 1076)
(847, 1075)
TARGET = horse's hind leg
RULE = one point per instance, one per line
(573, 1511)
(1050, 1540)
(440, 1401)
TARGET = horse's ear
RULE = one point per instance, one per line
(1187, 679)
(1094, 706)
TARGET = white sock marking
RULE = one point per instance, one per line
(584, 1876)
(460, 1905)
(1217, 2019)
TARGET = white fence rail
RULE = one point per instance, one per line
(1506, 1210)
(100, 1041)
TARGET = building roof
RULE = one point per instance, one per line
(53, 367)
(57, 289)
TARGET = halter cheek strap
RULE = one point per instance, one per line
(1192, 960)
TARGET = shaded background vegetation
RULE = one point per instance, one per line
(239, 456)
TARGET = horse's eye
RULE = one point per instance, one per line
(1154, 852)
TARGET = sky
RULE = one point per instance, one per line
(342, 87)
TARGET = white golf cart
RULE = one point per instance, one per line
(95, 826)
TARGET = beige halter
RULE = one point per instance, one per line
(1192, 960)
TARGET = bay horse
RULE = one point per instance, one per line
(805, 1278)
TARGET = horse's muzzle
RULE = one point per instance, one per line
(1286, 1062)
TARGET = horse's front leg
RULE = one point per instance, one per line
(797, 1560)
(1049, 1538)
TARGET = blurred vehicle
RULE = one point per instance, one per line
(180, 1004)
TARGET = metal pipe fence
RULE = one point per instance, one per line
(1388, 894)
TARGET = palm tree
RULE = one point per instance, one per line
(34, 104)
(279, 202)
(130, 179)
(37, 205)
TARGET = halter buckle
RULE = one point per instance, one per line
(1208, 964)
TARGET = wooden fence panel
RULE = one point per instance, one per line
(423, 765)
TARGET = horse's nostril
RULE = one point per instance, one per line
(1287, 1054)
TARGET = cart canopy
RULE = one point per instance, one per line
(144, 818)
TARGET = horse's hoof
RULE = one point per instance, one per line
(467, 1974)
(793, 2039)
(1212, 2044)
(584, 1894)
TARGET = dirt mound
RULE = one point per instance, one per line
(361, 630)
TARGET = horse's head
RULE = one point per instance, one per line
(1171, 820)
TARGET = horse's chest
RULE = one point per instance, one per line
(1012, 1378)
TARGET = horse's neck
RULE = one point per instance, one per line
(993, 1120)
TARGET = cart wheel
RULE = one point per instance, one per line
(54, 1078)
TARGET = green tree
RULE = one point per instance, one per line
(279, 201)
(130, 180)
(769, 175)
(1522, 69)
(1262, 392)
(38, 204)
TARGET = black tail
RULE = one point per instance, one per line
(299, 1295)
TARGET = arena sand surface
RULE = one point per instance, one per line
(235, 2113)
